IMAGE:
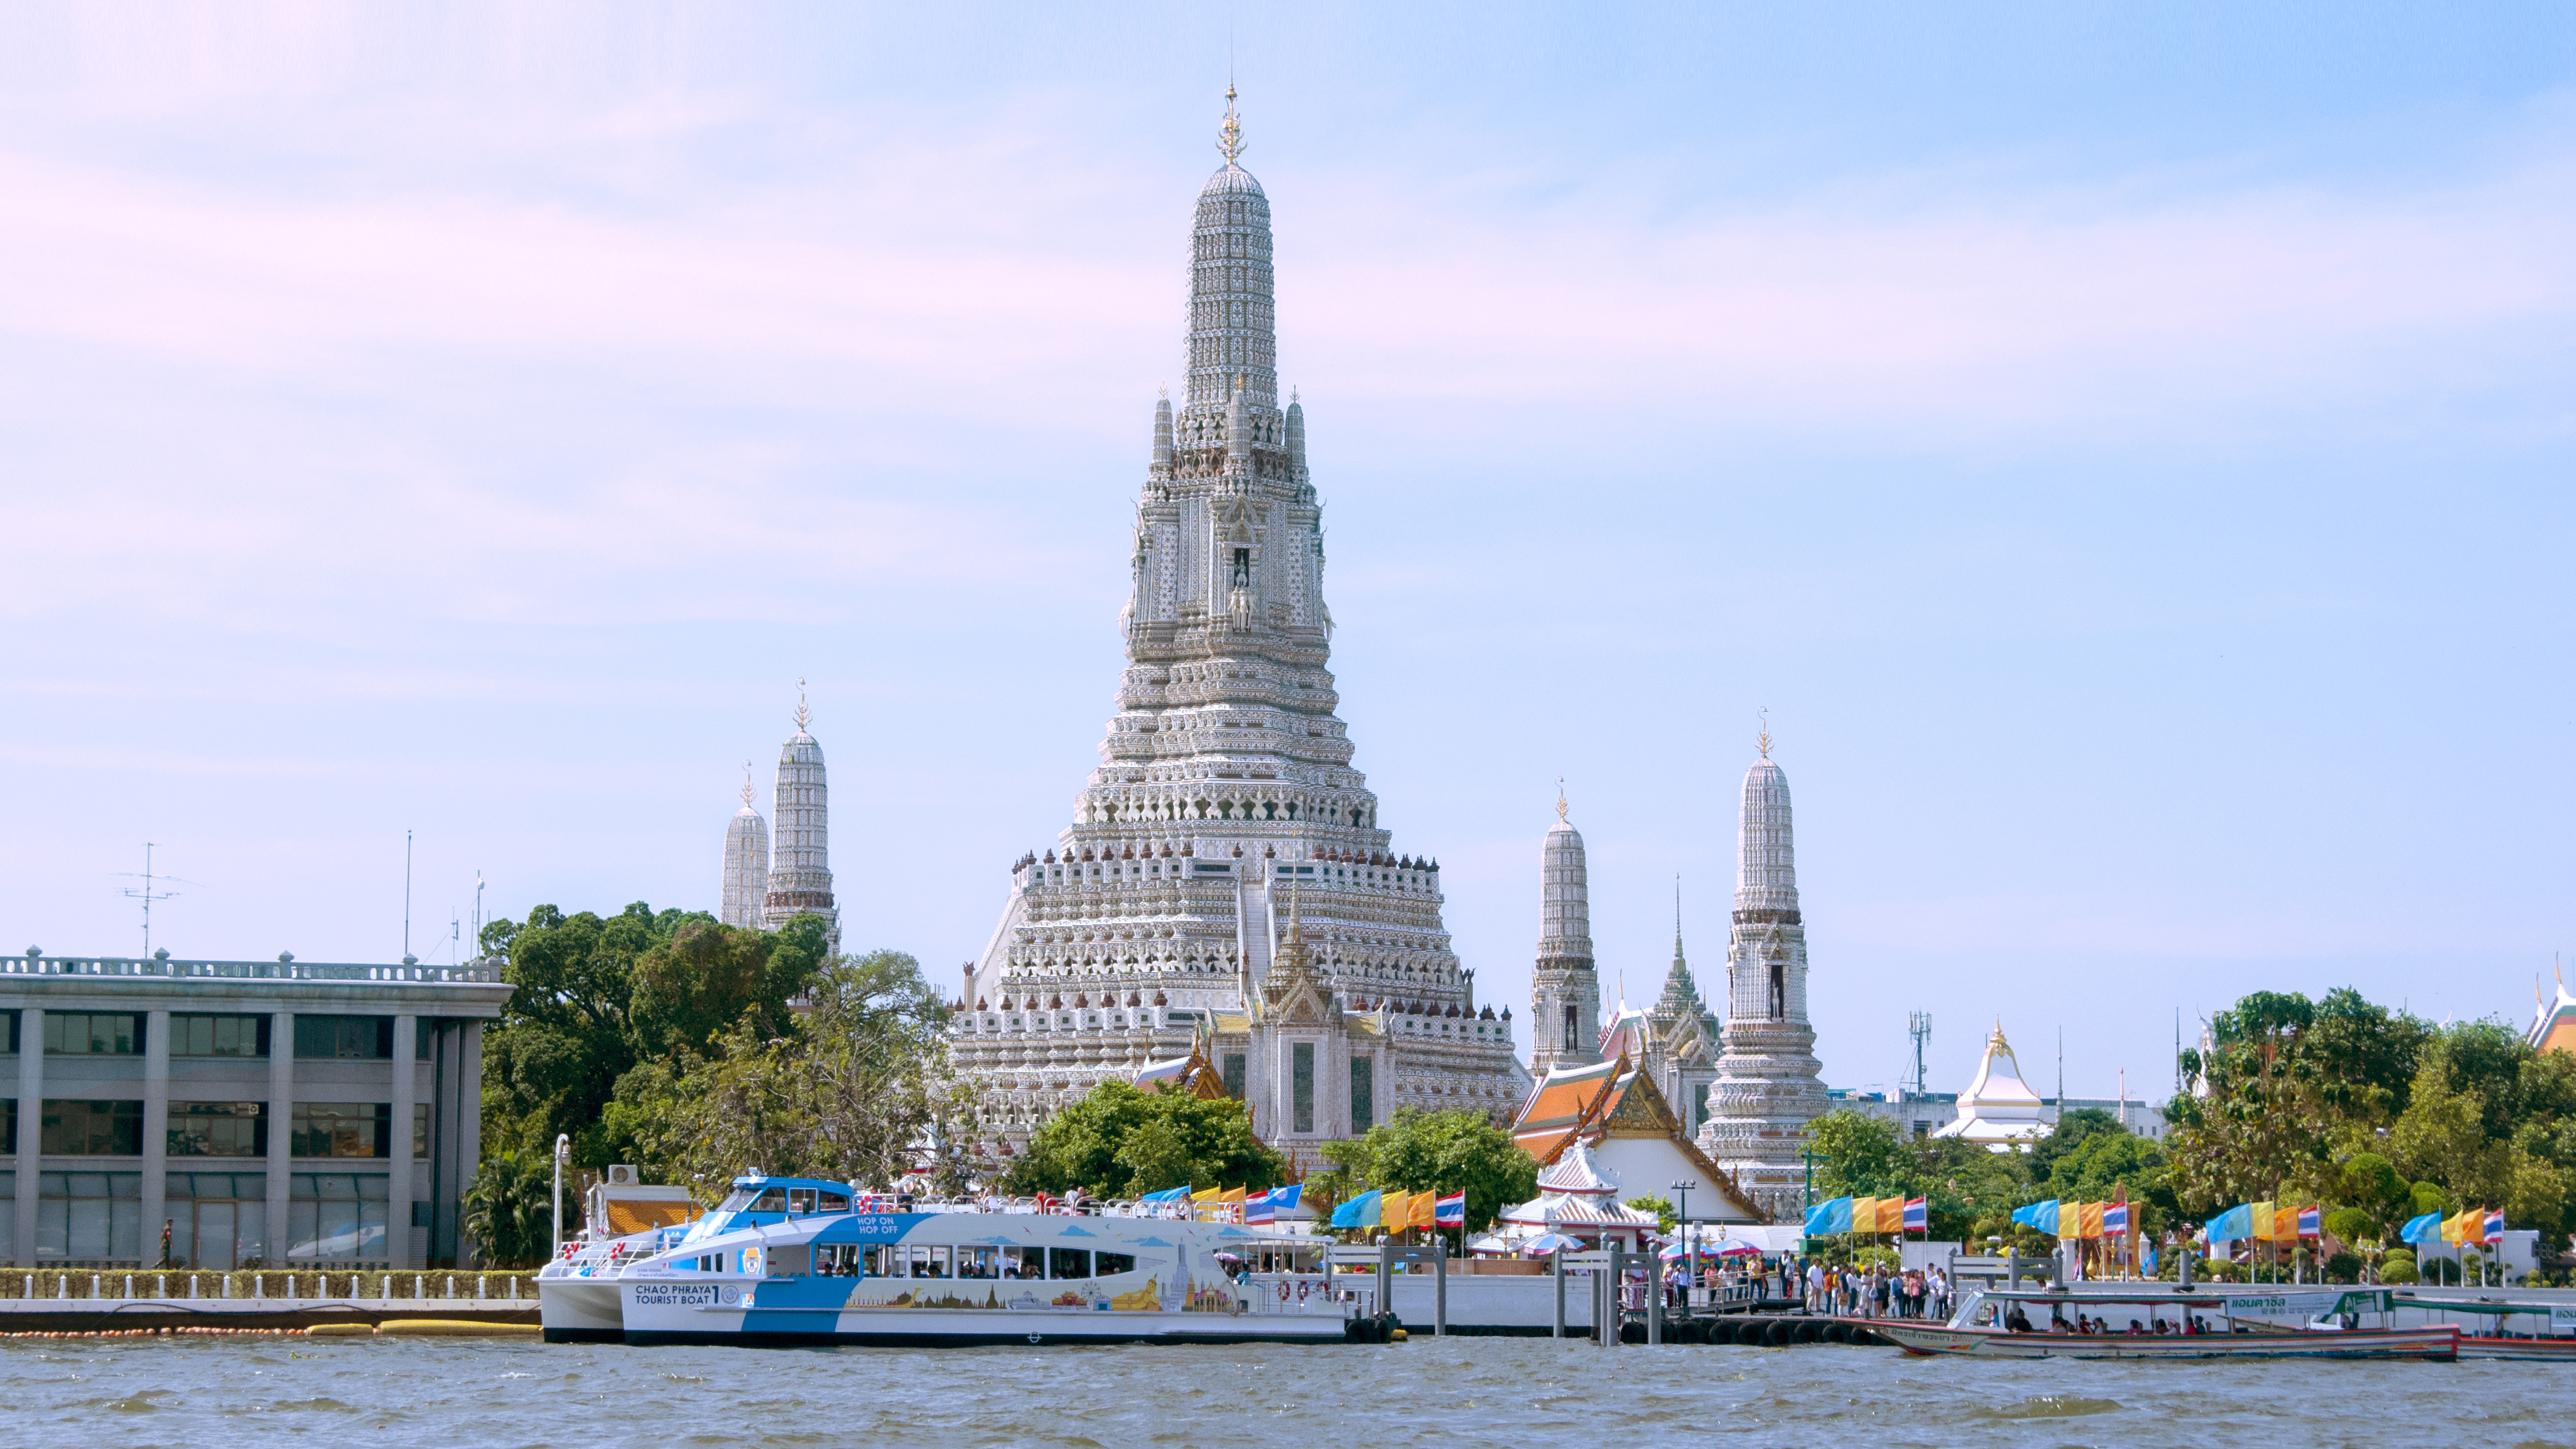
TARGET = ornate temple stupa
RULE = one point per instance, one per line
(1767, 1089)
(746, 862)
(1149, 929)
(1999, 1111)
(1565, 990)
(2553, 1020)
(800, 869)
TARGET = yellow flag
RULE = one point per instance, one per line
(2262, 1222)
(1232, 1197)
(1864, 1215)
(1394, 1210)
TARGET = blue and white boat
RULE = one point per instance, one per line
(578, 1299)
(881, 1273)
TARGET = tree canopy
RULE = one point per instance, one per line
(597, 995)
(1123, 1141)
(1418, 1151)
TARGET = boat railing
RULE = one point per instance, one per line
(1310, 1295)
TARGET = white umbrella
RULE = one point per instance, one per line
(1550, 1243)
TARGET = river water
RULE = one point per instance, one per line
(1487, 1393)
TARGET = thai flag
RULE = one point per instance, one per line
(1257, 1208)
(2495, 1226)
(1918, 1215)
(2312, 1222)
(2115, 1220)
(1450, 1211)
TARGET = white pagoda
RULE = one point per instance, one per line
(1999, 1111)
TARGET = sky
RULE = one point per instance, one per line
(2126, 450)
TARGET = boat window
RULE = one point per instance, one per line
(1020, 1263)
(930, 1262)
(800, 1199)
(979, 1262)
(771, 1200)
(883, 1262)
(736, 1200)
(835, 1202)
(836, 1260)
(1068, 1262)
(1104, 1264)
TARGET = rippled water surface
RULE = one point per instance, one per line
(1490, 1393)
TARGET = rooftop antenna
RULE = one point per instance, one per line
(147, 894)
(1918, 1026)
(406, 897)
(478, 912)
(2061, 1075)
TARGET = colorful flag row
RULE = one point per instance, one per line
(2080, 1221)
(1394, 1211)
(2264, 1222)
(1255, 1207)
(2477, 1225)
(1869, 1215)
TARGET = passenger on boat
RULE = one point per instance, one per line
(2137, 1329)
(2018, 1322)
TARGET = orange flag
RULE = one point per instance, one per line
(1425, 1209)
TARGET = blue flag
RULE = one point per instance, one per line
(1286, 1197)
(2418, 1229)
(2232, 1226)
(1829, 1217)
(2040, 1215)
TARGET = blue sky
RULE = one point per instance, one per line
(2127, 450)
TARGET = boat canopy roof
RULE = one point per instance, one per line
(754, 1181)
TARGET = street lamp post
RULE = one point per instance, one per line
(563, 1153)
(1690, 1245)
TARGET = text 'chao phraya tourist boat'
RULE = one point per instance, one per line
(784, 1262)
(2159, 1321)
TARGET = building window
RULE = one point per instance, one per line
(1234, 1075)
(326, 1037)
(420, 1131)
(92, 1129)
(78, 1033)
(218, 1220)
(1301, 1086)
(336, 1216)
(341, 1129)
(1779, 991)
(9, 1128)
(9, 1036)
(217, 1129)
(219, 1036)
(1363, 1094)
(89, 1217)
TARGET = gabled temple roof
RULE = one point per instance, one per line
(1577, 1106)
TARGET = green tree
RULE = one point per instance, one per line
(1859, 1155)
(1418, 1151)
(1094, 1144)
(2108, 1160)
(597, 995)
(2287, 1090)
(1661, 1207)
(850, 1092)
(509, 1209)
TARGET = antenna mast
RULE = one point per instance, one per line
(1918, 1025)
(406, 896)
(147, 895)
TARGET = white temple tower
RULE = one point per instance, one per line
(1147, 929)
(1565, 991)
(1767, 1089)
(746, 862)
(800, 869)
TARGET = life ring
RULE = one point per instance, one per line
(1302, 1286)
(1283, 1290)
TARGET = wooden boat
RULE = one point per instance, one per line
(2197, 1324)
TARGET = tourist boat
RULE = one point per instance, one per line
(952, 1274)
(577, 1294)
(2202, 1323)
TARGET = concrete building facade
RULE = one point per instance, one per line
(271, 1113)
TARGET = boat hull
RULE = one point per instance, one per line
(1930, 1341)
(940, 1328)
(2528, 1350)
(581, 1310)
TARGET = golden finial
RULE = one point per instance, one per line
(1763, 740)
(746, 784)
(1230, 135)
(804, 716)
(1560, 797)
